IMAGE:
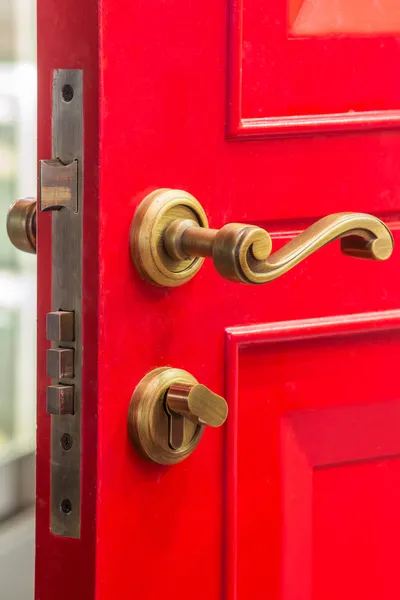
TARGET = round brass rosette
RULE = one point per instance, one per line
(152, 218)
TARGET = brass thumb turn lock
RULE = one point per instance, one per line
(170, 237)
(168, 412)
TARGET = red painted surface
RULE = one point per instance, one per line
(323, 17)
(68, 38)
(296, 498)
(330, 462)
(312, 79)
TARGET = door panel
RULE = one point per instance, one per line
(313, 66)
(161, 109)
(312, 452)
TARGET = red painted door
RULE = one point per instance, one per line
(273, 114)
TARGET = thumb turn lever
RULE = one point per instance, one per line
(196, 403)
(170, 238)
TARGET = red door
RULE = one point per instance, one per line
(273, 114)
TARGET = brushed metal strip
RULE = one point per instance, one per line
(67, 146)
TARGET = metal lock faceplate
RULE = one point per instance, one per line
(61, 187)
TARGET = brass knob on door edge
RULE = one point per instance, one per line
(168, 412)
(21, 225)
(170, 237)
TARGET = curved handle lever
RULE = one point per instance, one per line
(243, 253)
(170, 238)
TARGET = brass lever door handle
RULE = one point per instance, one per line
(170, 238)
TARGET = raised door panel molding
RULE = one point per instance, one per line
(304, 67)
(311, 501)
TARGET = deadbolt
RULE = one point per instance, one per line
(168, 412)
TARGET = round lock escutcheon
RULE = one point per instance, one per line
(152, 257)
(168, 412)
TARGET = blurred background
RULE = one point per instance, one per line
(17, 301)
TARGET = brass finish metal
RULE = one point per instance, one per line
(155, 214)
(58, 185)
(240, 252)
(21, 225)
(168, 412)
(198, 404)
(149, 424)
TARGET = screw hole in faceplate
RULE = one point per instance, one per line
(66, 506)
(67, 92)
(66, 442)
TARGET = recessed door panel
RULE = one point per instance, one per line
(303, 66)
(313, 454)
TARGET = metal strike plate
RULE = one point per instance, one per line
(61, 188)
